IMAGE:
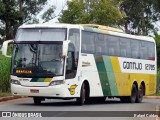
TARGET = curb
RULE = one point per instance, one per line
(152, 97)
(10, 98)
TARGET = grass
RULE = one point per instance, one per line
(158, 84)
(3, 94)
(5, 64)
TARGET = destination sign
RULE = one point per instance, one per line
(24, 71)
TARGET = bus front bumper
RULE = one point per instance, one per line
(49, 91)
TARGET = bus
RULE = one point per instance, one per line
(86, 62)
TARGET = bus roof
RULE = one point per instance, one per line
(114, 32)
(144, 38)
(91, 28)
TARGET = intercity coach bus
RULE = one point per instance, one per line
(88, 62)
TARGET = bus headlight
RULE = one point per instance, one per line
(58, 82)
(15, 82)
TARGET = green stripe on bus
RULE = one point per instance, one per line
(103, 75)
(111, 76)
(37, 80)
(41, 80)
(34, 79)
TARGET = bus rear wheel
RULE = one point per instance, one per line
(132, 98)
(139, 97)
(81, 99)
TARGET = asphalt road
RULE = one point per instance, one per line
(26, 104)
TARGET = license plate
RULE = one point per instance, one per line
(34, 91)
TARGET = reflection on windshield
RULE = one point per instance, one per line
(41, 34)
(42, 59)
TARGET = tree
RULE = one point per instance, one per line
(104, 12)
(8, 17)
(157, 39)
(14, 13)
(140, 15)
(74, 12)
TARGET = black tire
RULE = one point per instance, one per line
(37, 100)
(132, 98)
(87, 94)
(81, 99)
(140, 94)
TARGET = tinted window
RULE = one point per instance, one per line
(74, 37)
(103, 44)
(113, 46)
(88, 42)
(100, 44)
(135, 49)
(125, 48)
(143, 50)
(151, 51)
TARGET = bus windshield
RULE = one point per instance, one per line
(41, 60)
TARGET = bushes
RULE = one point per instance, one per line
(5, 64)
(158, 82)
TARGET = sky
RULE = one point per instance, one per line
(60, 4)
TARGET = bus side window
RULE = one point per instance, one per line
(123, 53)
(70, 66)
(73, 53)
(143, 50)
(113, 45)
(111, 51)
(69, 62)
(135, 49)
(84, 48)
(151, 51)
(125, 47)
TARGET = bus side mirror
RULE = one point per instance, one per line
(65, 48)
(5, 47)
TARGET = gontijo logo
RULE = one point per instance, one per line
(137, 66)
(132, 65)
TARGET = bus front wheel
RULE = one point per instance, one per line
(81, 99)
